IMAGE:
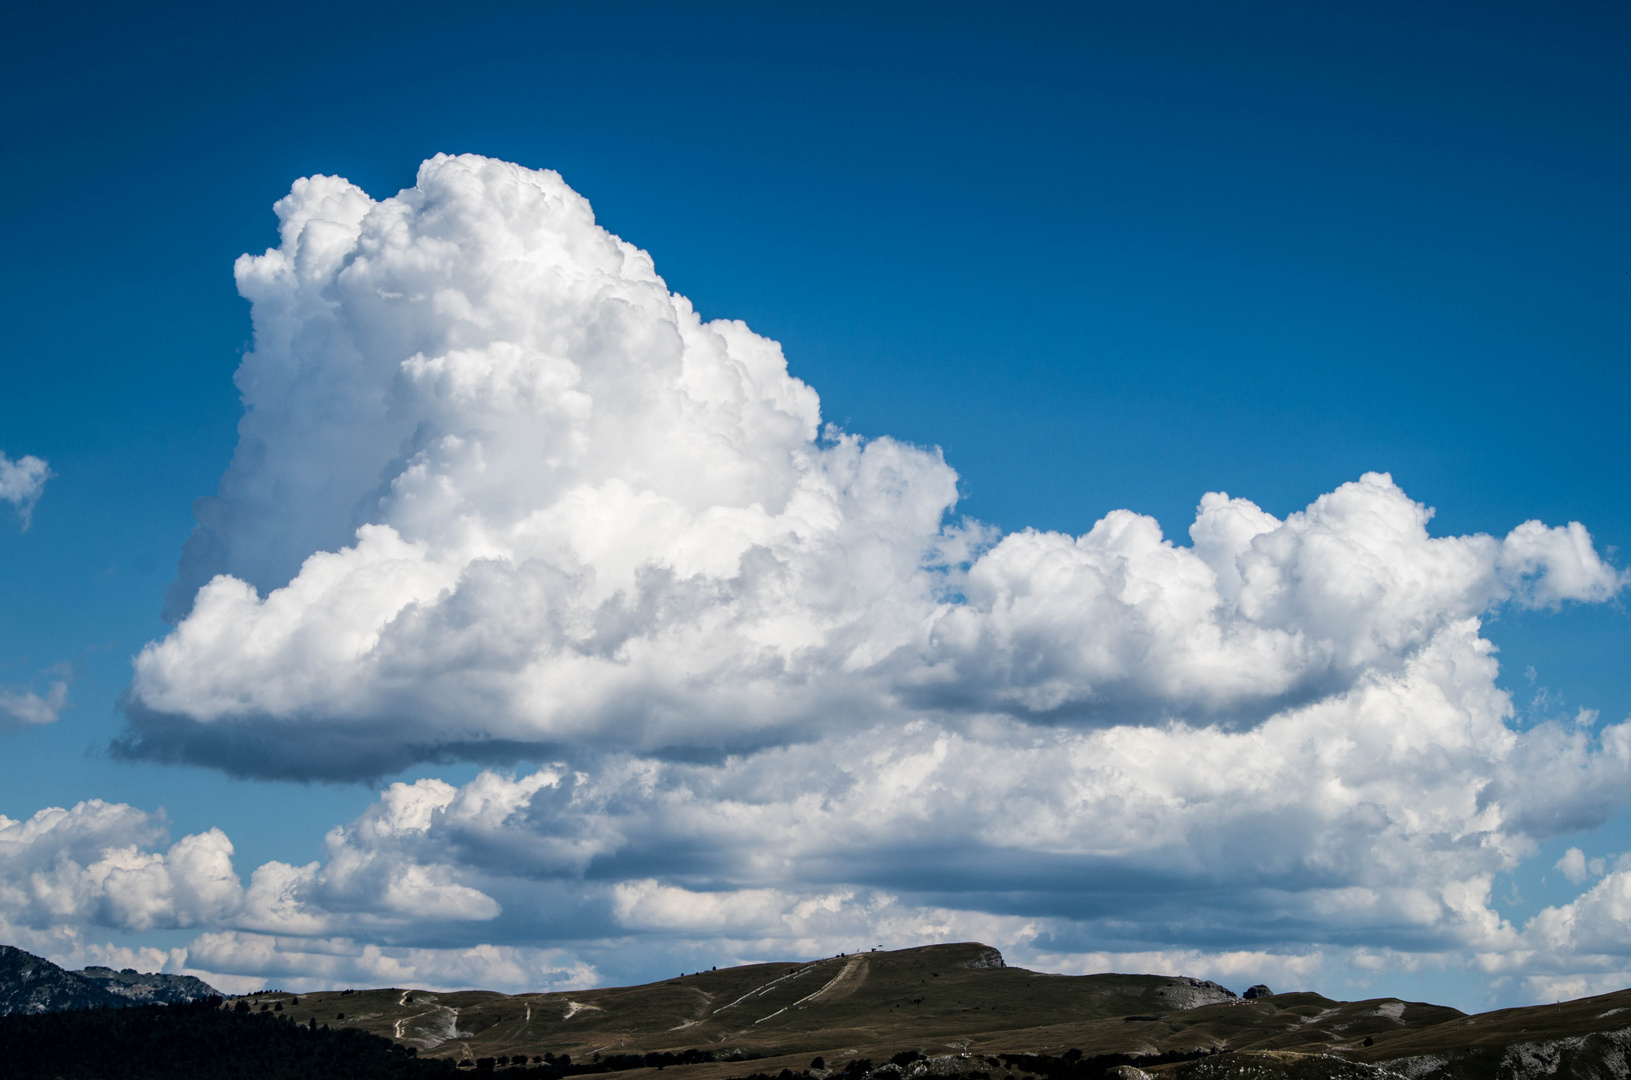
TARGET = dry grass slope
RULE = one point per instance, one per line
(952, 1000)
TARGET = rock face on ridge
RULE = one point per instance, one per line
(31, 984)
(988, 959)
(147, 989)
(1182, 992)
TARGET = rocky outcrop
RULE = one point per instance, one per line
(1271, 1065)
(31, 984)
(990, 958)
(1185, 993)
(1604, 1055)
(1258, 991)
(148, 989)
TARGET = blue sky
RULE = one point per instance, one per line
(1102, 259)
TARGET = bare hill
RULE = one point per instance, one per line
(967, 1013)
(942, 995)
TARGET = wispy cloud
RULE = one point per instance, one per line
(21, 707)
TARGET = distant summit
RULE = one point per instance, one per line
(31, 984)
(148, 989)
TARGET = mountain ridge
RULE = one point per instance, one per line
(33, 984)
(967, 1014)
(954, 1011)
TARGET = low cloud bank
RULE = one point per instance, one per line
(1260, 853)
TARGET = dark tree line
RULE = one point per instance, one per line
(206, 1040)
(550, 1067)
(1073, 1065)
(199, 1039)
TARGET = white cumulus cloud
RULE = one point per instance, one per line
(1576, 867)
(22, 482)
(96, 864)
(1338, 845)
(301, 964)
(498, 489)
(500, 495)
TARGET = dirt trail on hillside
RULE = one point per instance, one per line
(842, 985)
(573, 1008)
(432, 1033)
(707, 999)
(761, 990)
(845, 983)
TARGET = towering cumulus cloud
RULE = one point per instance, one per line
(500, 495)
(497, 487)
